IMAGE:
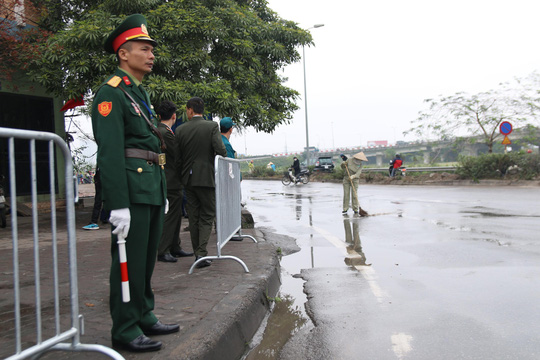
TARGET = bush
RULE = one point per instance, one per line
(494, 166)
(262, 171)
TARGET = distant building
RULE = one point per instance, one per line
(26, 105)
(378, 143)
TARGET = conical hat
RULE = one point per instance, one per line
(360, 156)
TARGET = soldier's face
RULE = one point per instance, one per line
(138, 58)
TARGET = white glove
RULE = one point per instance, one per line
(166, 206)
(121, 218)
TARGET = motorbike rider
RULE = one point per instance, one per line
(395, 164)
(296, 168)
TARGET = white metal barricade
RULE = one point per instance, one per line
(49, 295)
(228, 208)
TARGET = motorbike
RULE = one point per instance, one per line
(303, 177)
(399, 171)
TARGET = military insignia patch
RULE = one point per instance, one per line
(115, 80)
(126, 80)
(144, 29)
(105, 108)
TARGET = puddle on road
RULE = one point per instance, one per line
(305, 246)
(285, 320)
(289, 316)
(480, 211)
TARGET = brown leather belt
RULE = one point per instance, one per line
(145, 155)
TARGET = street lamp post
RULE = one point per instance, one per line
(305, 96)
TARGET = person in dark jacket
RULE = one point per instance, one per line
(296, 168)
(170, 245)
(198, 141)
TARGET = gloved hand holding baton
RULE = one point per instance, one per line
(121, 218)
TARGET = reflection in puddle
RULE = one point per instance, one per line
(355, 254)
(285, 320)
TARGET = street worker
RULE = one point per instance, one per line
(395, 164)
(198, 141)
(133, 183)
(352, 168)
(226, 127)
(170, 244)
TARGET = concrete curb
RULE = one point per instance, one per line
(228, 329)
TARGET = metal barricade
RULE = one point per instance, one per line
(228, 208)
(43, 298)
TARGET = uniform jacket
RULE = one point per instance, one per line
(228, 147)
(173, 181)
(118, 125)
(197, 142)
(355, 168)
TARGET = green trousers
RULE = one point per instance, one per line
(349, 194)
(201, 209)
(129, 319)
(170, 239)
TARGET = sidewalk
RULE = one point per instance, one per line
(219, 308)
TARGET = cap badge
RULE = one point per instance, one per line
(144, 29)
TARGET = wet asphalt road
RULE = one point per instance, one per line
(434, 273)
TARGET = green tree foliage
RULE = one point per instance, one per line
(478, 116)
(228, 52)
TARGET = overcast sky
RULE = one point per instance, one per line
(374, 62)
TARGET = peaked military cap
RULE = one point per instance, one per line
(134, 27)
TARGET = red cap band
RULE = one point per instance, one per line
(126, 36)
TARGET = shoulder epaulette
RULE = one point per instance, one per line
(114, 81)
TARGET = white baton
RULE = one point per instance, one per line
(123, 268)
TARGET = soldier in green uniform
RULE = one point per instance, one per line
(133, 182)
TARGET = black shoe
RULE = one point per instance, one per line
(162, 329)
(181, 253)
(203, 263)
(167, 258)
(140, 344)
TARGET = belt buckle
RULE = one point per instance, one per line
(161, 158)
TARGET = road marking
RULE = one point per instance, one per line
(401, 344)
(369, 274)
(367, 271)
